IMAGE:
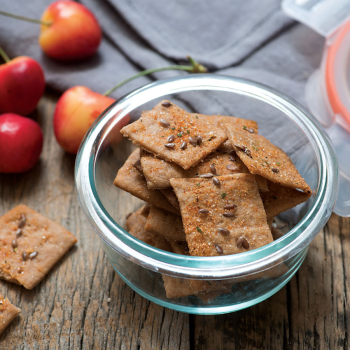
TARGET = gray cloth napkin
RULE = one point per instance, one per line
(246, 38)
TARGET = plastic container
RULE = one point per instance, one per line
(253, 276)
(328, 88)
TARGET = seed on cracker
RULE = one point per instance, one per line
(165, 224)
(150, 134)
(41, 245)
(8, 312)
(130, 180)
(202, 231)
(280, 198)
(265, 159)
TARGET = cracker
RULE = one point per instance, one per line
(170, 195)
(220, 121)
(180, 247)
(265, 159)
(49, 240)
(130, 180)
(8, 312)
(208, 297)
(165, 224)
(133, 218)
(262, 183)
(180, 287)
(145, 210)
(149, 134)
(158, 172)
(279, 199)
(202, 230)
(139, 231)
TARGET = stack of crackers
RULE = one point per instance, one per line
(212, 185)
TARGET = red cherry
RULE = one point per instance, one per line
(75, 111)
(73, 34)
(22, 84)
(21, 142)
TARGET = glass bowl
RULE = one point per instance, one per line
(252, 276)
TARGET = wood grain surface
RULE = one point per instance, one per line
(83, 304)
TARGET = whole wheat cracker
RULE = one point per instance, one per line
(133, 218)
(180, 287)
(130, 180)
(221, 121)
(152, 134)
(136, 225)
(265, 159)
(202, 230)
(280, 198)
(33, 233)
(228, 147)
(158, 172)
(169, 194)
(164, 223)
(8, 312)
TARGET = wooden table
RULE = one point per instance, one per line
(83, 304)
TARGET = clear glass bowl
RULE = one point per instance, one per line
(253, 276)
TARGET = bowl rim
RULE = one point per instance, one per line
(228, 266)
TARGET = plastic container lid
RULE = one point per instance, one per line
(328, 88)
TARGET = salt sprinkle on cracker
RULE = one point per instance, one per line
(26, 256)
(151, 133)
(265, 159)
(219, 231)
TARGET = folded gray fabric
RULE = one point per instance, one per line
(217, 33)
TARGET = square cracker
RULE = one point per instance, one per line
(149, 134)
(130, 180)
(133, 218)
(170, 195)
(175, 287)
(279, 199)
(265, 159)
(158, 172)
(39, 234)
(248, 221)
(220, 121)
(181, 287)
(8, 312)
(136, 226)
(164, 223)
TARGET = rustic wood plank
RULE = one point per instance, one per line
(71, 308)
(311, 312)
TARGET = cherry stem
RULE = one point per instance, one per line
(4, 55)
(32, 20)
(194, 68)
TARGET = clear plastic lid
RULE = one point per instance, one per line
(328, 88)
